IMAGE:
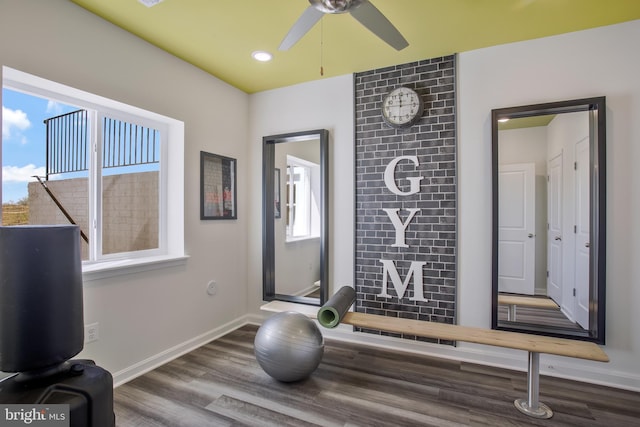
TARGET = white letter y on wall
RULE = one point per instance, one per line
(399, 225)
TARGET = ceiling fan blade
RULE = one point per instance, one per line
(369, 16)
(306, 21)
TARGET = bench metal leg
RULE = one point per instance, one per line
(511, 313)
(531, 406)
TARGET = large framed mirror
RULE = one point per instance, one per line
(295, 217)
(549, 219)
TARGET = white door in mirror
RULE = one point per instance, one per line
(516, 228)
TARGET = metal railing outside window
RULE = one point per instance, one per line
(127, 144)
(123, 143)
(67, 140)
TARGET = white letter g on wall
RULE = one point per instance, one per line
(389, 177)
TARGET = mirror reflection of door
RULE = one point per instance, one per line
(516, 228)
(565, 141)
(554, 229)
(543, 216)
(582, 242)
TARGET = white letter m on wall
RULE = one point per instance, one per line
(415, 270)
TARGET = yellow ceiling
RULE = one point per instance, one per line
(219, 36)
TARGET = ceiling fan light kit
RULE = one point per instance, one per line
(150, 3)
(362, 10)
(334, 6)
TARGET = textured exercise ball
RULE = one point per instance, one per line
(289, 346)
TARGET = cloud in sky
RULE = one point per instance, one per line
(13, 119)
(21, 174)
(54, 108)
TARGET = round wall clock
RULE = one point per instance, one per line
(402, 107)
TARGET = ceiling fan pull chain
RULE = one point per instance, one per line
(321, 44)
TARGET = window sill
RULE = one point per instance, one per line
(301, 239)
(122, 267)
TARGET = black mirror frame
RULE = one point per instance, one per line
(597, 263)
(268, 216)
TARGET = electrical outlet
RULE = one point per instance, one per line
(91, 333)
(212, 288)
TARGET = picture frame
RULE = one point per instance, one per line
(218, 189)
(277, 209)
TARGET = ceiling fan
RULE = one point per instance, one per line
(362, 10)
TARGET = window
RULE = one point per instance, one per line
(106, 166)
(303, 192)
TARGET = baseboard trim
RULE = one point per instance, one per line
(125, 375)
(254, 319)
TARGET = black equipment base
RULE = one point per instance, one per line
(85, 387)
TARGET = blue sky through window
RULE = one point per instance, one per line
(24, 140)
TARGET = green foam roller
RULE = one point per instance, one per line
(331, 313)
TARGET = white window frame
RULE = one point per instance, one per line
(171, 221)
(311, 221)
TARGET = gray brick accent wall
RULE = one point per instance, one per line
(431, 234)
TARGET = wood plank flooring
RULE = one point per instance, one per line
(221, 384)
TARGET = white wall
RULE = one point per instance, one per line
(524, 146)
(145, 318)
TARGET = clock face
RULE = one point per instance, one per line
(402, 107)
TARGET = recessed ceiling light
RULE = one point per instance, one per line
(150, 3)
(262, 56)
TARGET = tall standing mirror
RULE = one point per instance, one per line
(295, 217)
(549, 219)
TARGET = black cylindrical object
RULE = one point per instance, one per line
(41, 309)
(85, 387)
(331, 313)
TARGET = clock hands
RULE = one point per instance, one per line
(401, 107)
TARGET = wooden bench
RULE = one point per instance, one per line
(533, 344)
(526, 301)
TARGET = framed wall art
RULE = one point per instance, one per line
(217, 187)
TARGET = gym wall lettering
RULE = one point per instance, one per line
(405, 261)
(400, 227)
